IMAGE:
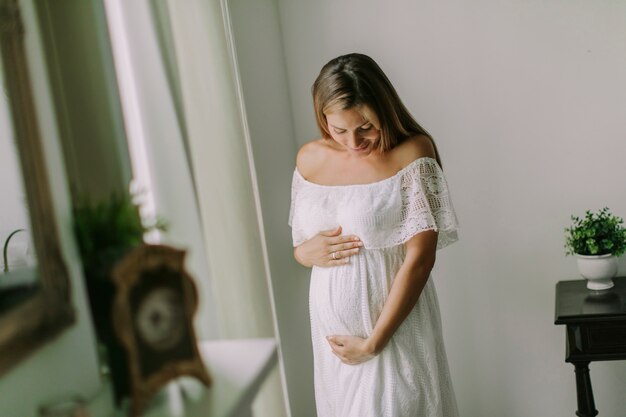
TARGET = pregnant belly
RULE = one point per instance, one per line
(348, 299)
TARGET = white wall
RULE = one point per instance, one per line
(526, 100)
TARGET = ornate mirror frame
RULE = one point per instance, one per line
(44, 315)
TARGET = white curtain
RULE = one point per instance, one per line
(156, 146)
(185, 127)
(224, 177)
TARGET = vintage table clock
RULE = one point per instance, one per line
(153, 311)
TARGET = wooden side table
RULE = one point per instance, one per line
(595, 331)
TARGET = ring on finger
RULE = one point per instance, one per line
(335, 255)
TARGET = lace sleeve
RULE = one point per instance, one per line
(297, 232)
(426, 204)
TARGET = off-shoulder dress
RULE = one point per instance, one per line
(410, 377)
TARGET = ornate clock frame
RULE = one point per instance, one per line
(140, 277)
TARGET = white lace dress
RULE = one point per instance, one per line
(410, 377)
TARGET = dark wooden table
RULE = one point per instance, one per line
(595, 331)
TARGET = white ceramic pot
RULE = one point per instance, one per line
(598, 270)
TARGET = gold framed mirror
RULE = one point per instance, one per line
(46, 309)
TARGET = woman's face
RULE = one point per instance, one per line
(351, 129)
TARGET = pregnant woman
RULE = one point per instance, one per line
(370, 206)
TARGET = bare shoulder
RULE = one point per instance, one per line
(311, 156)
(412, 148)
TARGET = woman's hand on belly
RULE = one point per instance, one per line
(327, 248)
(351, 350)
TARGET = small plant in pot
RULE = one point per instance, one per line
(597, 241)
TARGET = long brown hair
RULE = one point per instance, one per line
(356, 80)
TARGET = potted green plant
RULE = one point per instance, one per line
(597, 241)
(105, 232)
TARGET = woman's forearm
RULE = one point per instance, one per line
(299, 258)
(405, 291)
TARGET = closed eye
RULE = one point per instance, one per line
(339, 131)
